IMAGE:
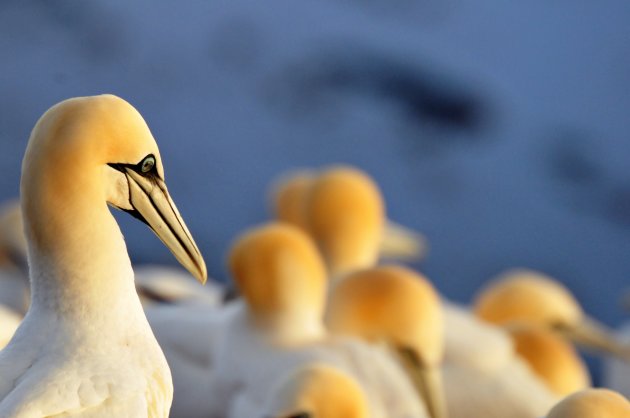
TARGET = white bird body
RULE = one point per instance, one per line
(473, 343)
(85, 348)
(483, 375)
(514, 391)
(76, 357)
(188, 336)
(249, 363)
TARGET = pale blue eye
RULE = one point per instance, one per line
(147, 164)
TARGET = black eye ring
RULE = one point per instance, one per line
(147, 164)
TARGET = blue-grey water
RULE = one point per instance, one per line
(498, 130)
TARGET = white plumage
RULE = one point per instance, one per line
(249, 365)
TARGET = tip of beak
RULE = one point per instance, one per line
(202, 273)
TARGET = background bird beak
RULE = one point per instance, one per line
(595, 336)
(427, 381)
(401, 243)
(153, 205)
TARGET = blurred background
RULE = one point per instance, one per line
(499, 130)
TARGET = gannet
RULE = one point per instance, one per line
(394, 305)
(185, 332)
(317, 391)
(527, 296)
(289, 197)
(279, 326)
(592, 403)
(85, 347)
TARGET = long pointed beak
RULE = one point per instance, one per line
(427, 381)
(590, 334)
(153, 205)
(401, 243)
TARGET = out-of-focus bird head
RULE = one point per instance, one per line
(399, 307)
(530, 297)
(319, 391)
(551, 357)
(280, 274)
(592, 403)
(346, 216)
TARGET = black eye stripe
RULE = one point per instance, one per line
(138, 168)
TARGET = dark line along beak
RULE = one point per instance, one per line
(299, 415)
(427, 380)
(295, 415)
(153, 205)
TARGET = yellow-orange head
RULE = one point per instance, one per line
(392, 304)
(346, 216)
(279, 272)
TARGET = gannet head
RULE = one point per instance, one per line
(280, 274)
(398, 306)
(289, 196)
(292, 203)
(346, 216)
(390, 303)
(531, 297)
(592, 403)
(553, 359)
(101, 147)
(318, 391)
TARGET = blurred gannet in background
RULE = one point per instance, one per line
(85, 347)
(157, 284)
(279, 326)
(14, 286)
(551, 357)
(289, 201)
(530, 297)
(345, 213)
(398, 307)
(317, 391)
(345, 217)
(592, 403)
